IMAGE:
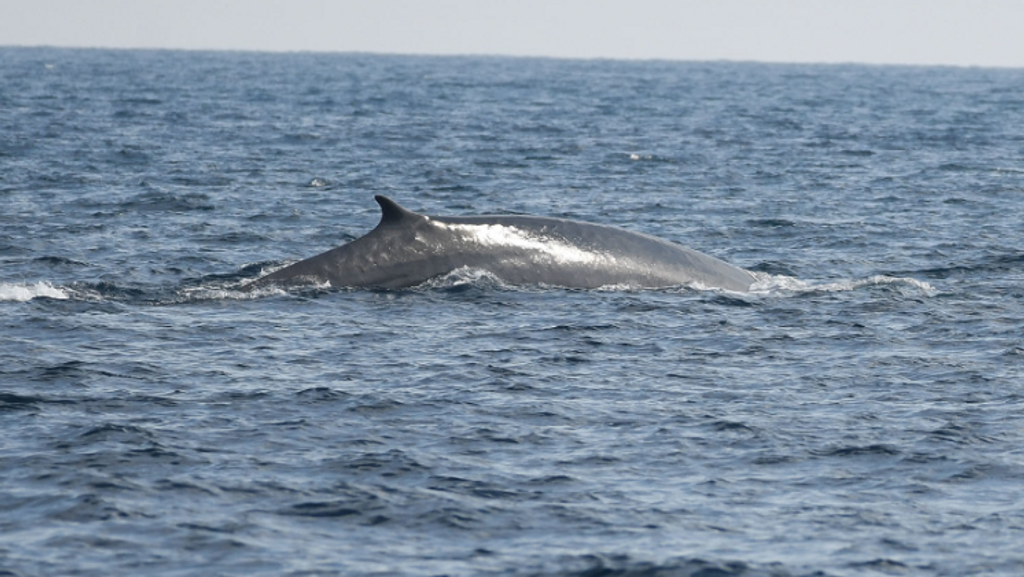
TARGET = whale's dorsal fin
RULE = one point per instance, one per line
(392, 212)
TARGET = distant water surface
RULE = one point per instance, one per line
(860, 413)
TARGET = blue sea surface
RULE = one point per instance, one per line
(860, 412)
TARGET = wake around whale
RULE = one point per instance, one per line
(407, 249)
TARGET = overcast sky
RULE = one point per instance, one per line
(957, 32)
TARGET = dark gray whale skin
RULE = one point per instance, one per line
(407, 248)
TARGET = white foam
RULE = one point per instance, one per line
(21, 292)
(464, 276)
(768, 283)
(235, 292)
(891, 280)
(203, 294)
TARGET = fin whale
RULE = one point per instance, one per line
(408, 248)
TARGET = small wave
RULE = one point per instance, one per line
(108, 291)
(21, 292)
(463, 278)
(769, 283)
(228, 293)
(235, 286)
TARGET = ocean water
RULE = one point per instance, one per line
(861, 412)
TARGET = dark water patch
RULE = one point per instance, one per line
(364, 506)
(9, 249)
(446, 518)
(625, 566)
(580, 328)
(317, 395)
(10, 401)
(473, 488)
(772, 223)
(130, 155)
(202, 180)
(389, 464)
(726, 300)
(154, 201)
(887, 566)
(18, 402)
(60, 262)
(322, 509)
(955, 167)
(731, 426)
(115, 485)
(114, 431)
(178, 486)
(373, 406)
(959, 434)
(567, 359)
(73, 371)
(554, 480)
(858, 451)
(298, 138)
(972, 474)
(139, 101)
(775, 268)
(92, 508)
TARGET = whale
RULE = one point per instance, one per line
(407, 249)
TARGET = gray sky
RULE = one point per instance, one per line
(958, 32)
